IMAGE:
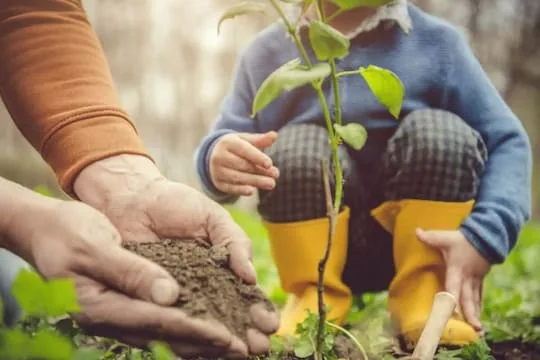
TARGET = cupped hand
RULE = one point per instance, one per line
(239, 167)
(121, 295)
(144, 206)
(466, 269)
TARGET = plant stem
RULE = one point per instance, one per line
(332, 213)
(332, 210)
(335, 88)
(321, 10)
(346, 73)
(322, 263)
(327, 116)
(335, 15)
(335, 143)
(292, 31)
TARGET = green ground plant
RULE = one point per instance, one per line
(511, 313)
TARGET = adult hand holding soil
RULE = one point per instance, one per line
(465, 271)
(120, 293)
(146, 207)
(238, 166)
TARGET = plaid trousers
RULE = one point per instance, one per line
(433, 155)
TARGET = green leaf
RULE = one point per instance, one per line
(62, 297)
(327, 42)
(161, 351)
(243, 8)
(45, 345)
(351, 4)
(87, 354)
(44, 298)
(277, 345)
(30, 291)
(48, 345)
(289, 76)
(136, 354)
(386, 86)
(354, 135)
(303, 348)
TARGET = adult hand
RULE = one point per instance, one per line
(465, 271)
(238, 166)
(144, 206)
(122, 295)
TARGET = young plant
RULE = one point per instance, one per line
(328, 45)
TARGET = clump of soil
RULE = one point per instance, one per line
(209, 287)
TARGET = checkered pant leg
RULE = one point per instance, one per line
(299, 192)
(434, 155)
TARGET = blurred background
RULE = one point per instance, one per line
(172, 69)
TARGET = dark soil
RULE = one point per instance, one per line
(514, 350)
(210, 290)
(345, 349)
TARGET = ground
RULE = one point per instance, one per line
(511, 313)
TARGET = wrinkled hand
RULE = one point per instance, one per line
(238, 166)
(121, 295)
(465, 271)
(144, 206)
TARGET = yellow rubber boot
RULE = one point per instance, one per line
(297, 248)
(420, 269)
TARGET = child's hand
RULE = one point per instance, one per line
(238, 166)
(465, 271)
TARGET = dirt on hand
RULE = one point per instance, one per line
(209, 288)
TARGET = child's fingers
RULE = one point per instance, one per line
(247, 151)
(261, 141)
(233, 161)
(232, 189)
(478, 296)
(468, 305)
(454, 280)
(235, 177)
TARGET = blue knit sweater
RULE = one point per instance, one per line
(438, 70)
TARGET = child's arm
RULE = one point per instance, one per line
(503, 204)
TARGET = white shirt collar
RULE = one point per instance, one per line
(397, 12)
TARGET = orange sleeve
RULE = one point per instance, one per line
(57, 86)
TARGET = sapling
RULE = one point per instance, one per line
(328, 45)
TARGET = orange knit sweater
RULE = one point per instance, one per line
(56, 84)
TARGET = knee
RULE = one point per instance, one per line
(435, 155)
(299, 148)
(298, 195)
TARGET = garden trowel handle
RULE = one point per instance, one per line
(444, 305)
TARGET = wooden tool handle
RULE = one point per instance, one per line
(444, 305)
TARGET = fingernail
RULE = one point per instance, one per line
(164, 292)
(251, 271)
